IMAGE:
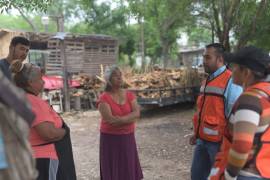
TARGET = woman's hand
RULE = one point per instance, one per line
(106, 114)
(134, 115)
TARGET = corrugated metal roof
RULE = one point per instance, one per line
(191, 50)
(45, 36)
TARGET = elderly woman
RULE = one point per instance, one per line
(245, 152)
(119, 112)
(48, 135)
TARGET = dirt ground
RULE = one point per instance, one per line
(162, 140)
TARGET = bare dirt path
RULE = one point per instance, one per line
(161, 139)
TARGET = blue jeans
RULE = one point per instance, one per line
(248, 178)
(203, 159)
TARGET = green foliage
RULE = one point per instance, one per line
(235, 22)
(101, 19)
(80, 28)
(198, 35)
(261, 36)
(17, 22)
(13, 22)
(162, 22)
(30, 5)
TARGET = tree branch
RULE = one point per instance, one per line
(34, 28)
(227, 21)
(217, 22)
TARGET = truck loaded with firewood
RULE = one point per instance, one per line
(156, 86)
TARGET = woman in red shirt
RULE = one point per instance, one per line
(119, 112)
(47, 129)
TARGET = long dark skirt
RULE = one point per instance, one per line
(119, 157)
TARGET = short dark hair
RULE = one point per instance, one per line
(19, 40)
(218, 47)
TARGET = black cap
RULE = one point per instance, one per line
(251, 57)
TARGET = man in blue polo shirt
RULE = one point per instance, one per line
(218, 94)
(18, 49)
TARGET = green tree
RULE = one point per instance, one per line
(102, 19)
(19, 23)
(198, 36)
(42, 5)
(23, 6)
(137, 8)
(164, 18)
(232, 20)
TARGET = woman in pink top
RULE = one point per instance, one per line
(119, 111)
(47, 129)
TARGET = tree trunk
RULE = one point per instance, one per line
(212, 32)
(226, 42)
(165, 54)
(142, 45)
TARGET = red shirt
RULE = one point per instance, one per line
(44, 113)
(117, 110)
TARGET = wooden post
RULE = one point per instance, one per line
(77, 102)
(65, 76)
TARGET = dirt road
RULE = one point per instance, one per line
(161, 139)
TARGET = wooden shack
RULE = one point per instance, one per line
(84, 53)
(191, 57)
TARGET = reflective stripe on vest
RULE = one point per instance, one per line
(213, 172)
(211, 108)
(215, 90)
(210, 131)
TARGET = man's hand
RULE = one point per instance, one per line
(192, 140)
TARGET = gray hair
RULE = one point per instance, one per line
(108, 75)
(23, 73)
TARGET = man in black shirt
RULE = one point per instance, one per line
(18, 49)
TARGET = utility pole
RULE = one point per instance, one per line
(65, 76)
(60, 23)
(141, 23)
(61, 37)
(60, 28)
(142, 44)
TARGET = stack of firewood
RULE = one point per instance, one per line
(163, 78)
(89, 82)
(154, 79)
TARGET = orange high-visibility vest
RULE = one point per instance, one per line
(262, 157)
(210, 120)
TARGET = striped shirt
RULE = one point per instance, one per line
(245, 124)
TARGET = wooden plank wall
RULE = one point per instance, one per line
(82, 56)
(54, 65)
(99, 52)
(75, 55)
